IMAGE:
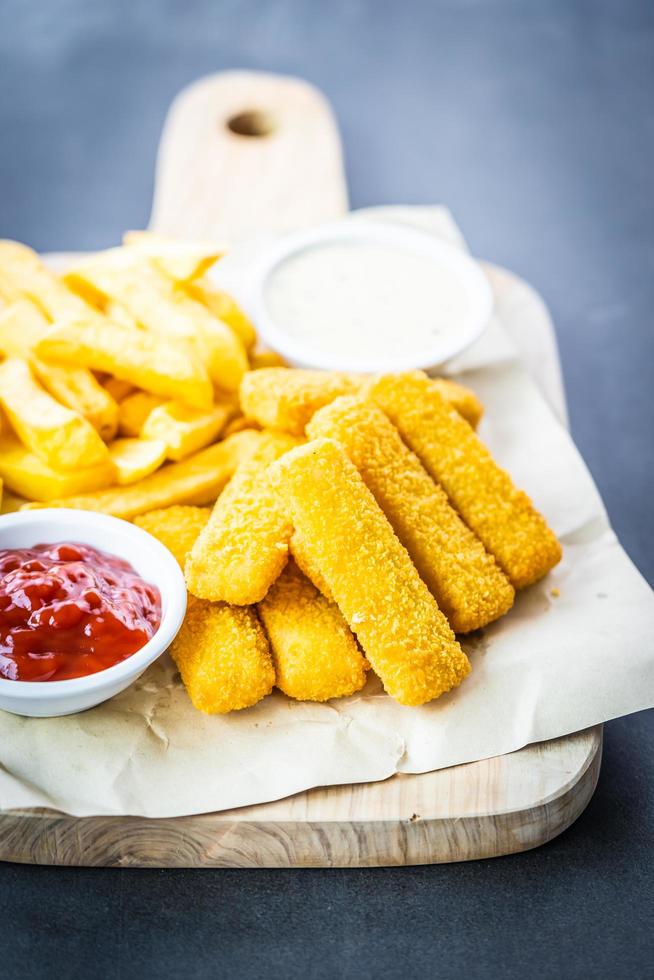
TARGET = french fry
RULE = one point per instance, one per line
(29, 477)
(244, 546)
(158, 364)
(221, 651)
(180, 261)
(287, 398)
(484, 495)
(468, 585)
(224, 308)
(135, 459)
(197, 480)
(134, 410)
(184, 430)
(118, 389)
(315, 655)
(11, 502)
(22, 326)
(58, 436)
(405, 636)
(164, 309)
(23, 273)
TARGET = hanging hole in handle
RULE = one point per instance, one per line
(252, 122)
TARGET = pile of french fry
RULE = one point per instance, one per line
(356, 520)
(129, 363)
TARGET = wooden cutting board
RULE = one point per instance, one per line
(244, 154)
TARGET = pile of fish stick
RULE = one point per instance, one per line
(328, 524)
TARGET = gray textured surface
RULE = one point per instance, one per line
(534, 122)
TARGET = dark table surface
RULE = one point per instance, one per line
(534, 122)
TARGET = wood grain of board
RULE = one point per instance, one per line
(244, 154)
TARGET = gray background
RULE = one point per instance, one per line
(534, 122)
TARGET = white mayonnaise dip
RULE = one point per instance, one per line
(362, 300)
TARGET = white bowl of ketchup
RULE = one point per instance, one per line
(151, 562)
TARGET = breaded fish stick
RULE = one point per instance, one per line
(285, 398)
(316, 656)
(221, 651)
(405, 636)
(468, 585)
(304, 560)
(244, 546)
(502, 516)
(196, 480)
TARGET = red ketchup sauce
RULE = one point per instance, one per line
(68, 610)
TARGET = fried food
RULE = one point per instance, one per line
(23, 275)
(221, 651)
(177, 527)
(184, 430)
(244, 547)
(134, 410)
(164, 309)
(134, 459)
(224, 308)
(158, 364)
(22, 325)
(287, 398)
(180, 261)
(260, 358)
(403, 633)
(304, 560)
(27, 475)
(468, 585)
(58, 436)
(502, 516)
(316, 656)
(196, 480)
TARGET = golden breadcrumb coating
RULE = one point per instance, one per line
(468, 585)
(196, 480)
(502, 516)
(223, 656)
(460, 398)
(304, 561)
(176, 527)
(287, 398)
(244, 547)
(405, 636)
(221, 651)
(316, 657)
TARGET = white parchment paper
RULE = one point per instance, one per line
(576, 649)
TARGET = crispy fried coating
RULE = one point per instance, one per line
(316, 656)
(502, 516)
(221, 651)
(223, 656)
(196, 480)
(176, 527)
(405, 636)
(304, 560)
(286, 398)
(460, 398)
(468, 585)
(244, 546)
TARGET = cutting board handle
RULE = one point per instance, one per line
(245, 153)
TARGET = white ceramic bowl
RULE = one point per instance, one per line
(463, 271)
(153, 562)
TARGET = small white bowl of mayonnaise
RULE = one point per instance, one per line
(368, 296)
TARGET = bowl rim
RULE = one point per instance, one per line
(379, 232)
(170, 582)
